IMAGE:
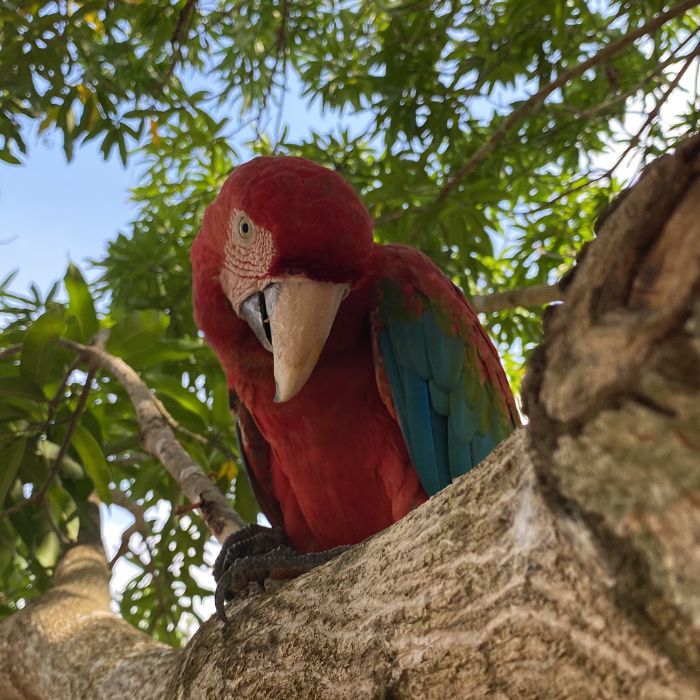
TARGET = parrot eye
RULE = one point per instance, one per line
(245, 228)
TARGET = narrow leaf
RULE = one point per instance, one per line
(137, 332)
(39, 346)
(12, 459)
(80, 302)
(21, 388)
(245, 504)
(49, 451)
(93, 460)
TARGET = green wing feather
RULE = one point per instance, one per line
(438, 370)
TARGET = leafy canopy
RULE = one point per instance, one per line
(186, 89)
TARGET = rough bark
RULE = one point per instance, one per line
(566, 565)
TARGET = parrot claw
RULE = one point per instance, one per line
(255, 554)
(250, 541)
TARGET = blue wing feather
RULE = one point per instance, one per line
(444, 411)
(461, 460)
(445, 354)
(439, 398)
(481, 446)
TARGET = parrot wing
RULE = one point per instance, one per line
(438, 373)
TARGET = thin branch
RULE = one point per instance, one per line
(597, 110)
(62, 451)
(59, 395)
(158, 439)
(536, 295)
(123, 544)
(177, 427)
(634, 140)
(132, 460)
(214, 440)
(10, 351)
(541, 95)
(178, 37)
(394, 215)
(119, 498)
(187, 508)
(62, 538)
(140, 526)
(280, 53)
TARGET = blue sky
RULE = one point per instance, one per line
(51, 211)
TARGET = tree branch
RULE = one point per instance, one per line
(654, 112)
(158, 439)
(541, 95)
(140, 525)
(603, 107)
(536, 295)
(178, 37)
(10, 351)
(587, 182)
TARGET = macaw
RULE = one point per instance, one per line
(362, 380)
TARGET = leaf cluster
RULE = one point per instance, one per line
(68, 435)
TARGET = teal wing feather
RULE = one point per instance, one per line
(437, 371)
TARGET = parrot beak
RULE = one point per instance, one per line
(292, 319)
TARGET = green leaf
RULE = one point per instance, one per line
(137, 332)
(48, 549)
(170, 386)
(80, 302)
(49, 451)
(245, 504)
(9, 158)
(12, 457)
(93, 460)
(39, 346)
(165, 350)
(21, 388)
(221, 412)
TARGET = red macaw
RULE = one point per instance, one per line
(362, 379)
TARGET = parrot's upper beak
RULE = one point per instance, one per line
(292, 318)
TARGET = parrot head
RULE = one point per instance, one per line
(280, 248)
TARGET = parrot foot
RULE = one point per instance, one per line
(257, 553)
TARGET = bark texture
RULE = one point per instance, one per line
(567, 565)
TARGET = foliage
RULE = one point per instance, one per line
(187, 89)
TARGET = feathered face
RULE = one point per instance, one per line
(283, 243)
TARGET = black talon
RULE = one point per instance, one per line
(220, 595)
(258, 553)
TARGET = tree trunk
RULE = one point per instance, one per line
(567, 565)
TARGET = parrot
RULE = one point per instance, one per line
(361, 379)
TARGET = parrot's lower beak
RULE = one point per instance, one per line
(292, 318)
